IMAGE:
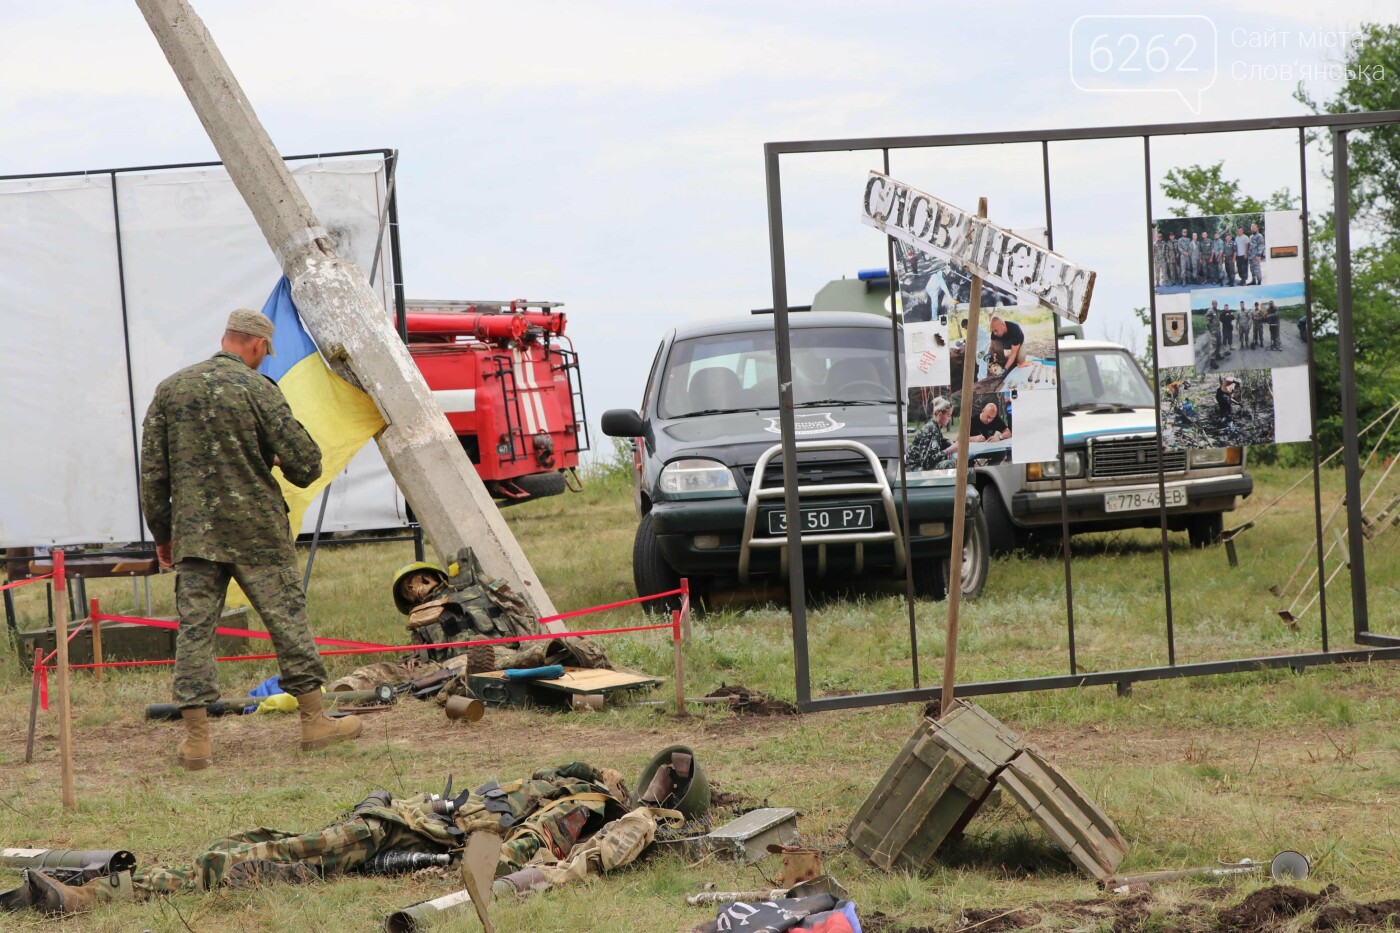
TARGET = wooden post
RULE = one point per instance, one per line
(955, 561)
(34, 705)
(65, 712)
(680, 668)
(95, 615)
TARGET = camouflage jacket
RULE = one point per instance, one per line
(207, 449)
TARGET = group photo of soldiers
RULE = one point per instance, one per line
(1224, 251)
(1250, 328)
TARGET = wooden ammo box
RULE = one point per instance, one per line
(939, 779)
(1075, 822)
(491, 687)
(124, 641)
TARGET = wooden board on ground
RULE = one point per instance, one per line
(494, 690)
(1062, 809)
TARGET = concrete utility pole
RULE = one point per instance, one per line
(343, 315)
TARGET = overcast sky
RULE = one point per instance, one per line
(609, 154)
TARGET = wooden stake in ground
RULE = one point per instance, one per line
(344, 316)
(65, 712)
(680, 667)
(955, 557)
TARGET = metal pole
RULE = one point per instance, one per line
(1347, 351)
(899, 408)
(1312, 381)
(1157, 405)
(797, 584)
(955, 563)
(1060, 425)
(315, 538)
(126, 348)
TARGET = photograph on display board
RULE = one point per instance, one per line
(1015, 348)
(1177, 332)
(926, 353)
(1251, 327)
(931, 288)
(933, 429)
(1226, 251)
(1221, 409)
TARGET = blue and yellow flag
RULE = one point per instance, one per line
(338, 416)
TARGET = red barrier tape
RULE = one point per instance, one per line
(390, 649)
(240, 632)
(38, 579)
(559, 617)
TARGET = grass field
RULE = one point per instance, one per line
(1192, 770)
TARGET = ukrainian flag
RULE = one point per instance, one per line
(340, 417)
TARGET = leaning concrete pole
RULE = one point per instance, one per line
(343, 315)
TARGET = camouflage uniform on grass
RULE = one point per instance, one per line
(208, 446)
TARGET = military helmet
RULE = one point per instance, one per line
(416, 567)
(674, 780)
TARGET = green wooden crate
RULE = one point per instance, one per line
(934, 786)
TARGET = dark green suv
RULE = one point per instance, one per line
(709, 466)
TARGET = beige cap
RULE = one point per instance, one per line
(252, 323)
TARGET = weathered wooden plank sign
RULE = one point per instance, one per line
(1000, 256)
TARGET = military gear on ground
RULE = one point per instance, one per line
(208, 444)
(275, 591)
(195, 752)
(400, 599)
(674, 780)
(617, 844)
(317, 729)
(53, 897)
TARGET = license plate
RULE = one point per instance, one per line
(1142, 499)
(833, 518)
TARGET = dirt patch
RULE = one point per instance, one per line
(1265, 907)
(1349, 915)
(991, 921)
(753, 702)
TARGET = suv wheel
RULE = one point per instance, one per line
(650, 572)
(1204, 530)
(976, 555)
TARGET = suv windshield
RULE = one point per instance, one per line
(1093, 378)
(727, 372)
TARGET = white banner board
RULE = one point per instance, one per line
(1000, 256)
(79, 366)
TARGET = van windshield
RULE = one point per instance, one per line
(727, 372)
(1107, 377)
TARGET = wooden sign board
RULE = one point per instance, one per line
(1000, 256)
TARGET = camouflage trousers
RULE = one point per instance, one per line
(275, 592)
(338, 848)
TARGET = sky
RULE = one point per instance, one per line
(609, 155)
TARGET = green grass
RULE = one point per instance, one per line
(1192, 770)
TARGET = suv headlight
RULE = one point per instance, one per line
(1050, 469)
(697, 478)
(1225, 456)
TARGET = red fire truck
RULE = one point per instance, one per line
(508, 380)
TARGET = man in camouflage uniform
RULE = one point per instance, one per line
(1196, 267)
(1256, 254)
(211, 437)
(1217, 259)
(540, 820)
(1213, 325)
(929, 448)
(1183, 258)
(1159, 260)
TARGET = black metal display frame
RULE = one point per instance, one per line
(1379, 646)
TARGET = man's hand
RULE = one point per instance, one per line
(164, 556)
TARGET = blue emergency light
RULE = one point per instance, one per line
(866, 275)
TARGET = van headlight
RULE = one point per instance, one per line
(1225, 456)
(697, 478)
(1050, 469)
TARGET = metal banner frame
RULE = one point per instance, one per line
(390, 157)
(1379, 646)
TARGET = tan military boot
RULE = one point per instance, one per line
(53, 897)
(195, 752)
(317, 729)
